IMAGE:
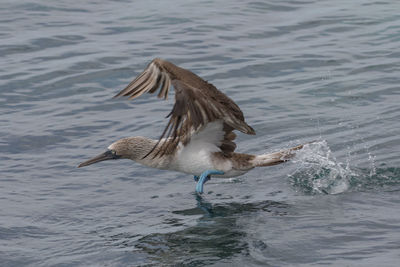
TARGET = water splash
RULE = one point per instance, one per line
(318, 171)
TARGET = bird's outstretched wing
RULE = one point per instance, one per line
(197, 103)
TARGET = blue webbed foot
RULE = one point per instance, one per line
(196, 178)
(204, 177)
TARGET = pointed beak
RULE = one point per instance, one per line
(105, 156)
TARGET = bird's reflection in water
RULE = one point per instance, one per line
(217, 235)
(204, 205)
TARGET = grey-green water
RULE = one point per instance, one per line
(300, 71)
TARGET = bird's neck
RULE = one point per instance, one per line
(140, 147)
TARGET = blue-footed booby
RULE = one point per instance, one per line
(199, 137)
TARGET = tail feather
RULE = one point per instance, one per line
(276, 157)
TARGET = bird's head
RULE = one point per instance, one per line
(126, 148)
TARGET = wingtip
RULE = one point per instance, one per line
(157, 60)
(121, 93)
(250, 130)
(118, 95)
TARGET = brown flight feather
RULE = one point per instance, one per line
(197, 103)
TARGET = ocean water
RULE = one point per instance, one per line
(300, 71)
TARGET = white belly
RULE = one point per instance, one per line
(193, 159)
(196, 160)
(196, 156)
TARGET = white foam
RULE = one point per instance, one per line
(318, 171)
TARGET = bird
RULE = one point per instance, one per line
(199, 137)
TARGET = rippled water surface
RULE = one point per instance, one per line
(300, 70)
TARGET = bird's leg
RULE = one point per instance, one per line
(204, 177)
